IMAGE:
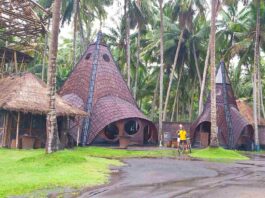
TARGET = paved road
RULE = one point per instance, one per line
(165, 178)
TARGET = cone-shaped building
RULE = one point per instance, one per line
(234, 131)
(96, 85)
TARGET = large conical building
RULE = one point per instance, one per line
(96, 86)
(234, 131)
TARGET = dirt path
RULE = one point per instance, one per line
(165, 178)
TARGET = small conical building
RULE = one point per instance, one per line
(234, 131)
(96, 86)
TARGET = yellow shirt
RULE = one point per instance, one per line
(182, 135)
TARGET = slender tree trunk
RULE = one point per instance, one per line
(204, 78)
(259, 87)
(44, 57)
(82, 37)
(255, 77)
(53, 142)
(172, 75)
(137, 62)
(160, 128)
(261, 101)
(75, 31)
(196, 64)
(154, 99)
(192, 100)
(128, 52)
(214, 137)
(138, 54)
(177, 89)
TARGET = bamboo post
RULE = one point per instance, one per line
(17, 134)
(30, 127)
(15, 61)
(3, 136)
(3, 64)
(78, 134)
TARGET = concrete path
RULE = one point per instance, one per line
(165, 178)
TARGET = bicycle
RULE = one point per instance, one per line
(182, 147)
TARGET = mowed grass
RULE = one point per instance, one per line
(25, 171)
(218, 154)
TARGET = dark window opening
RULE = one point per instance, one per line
(131, 127)
(111, 131)
(147, 134)
(88, 56)
(106, 57)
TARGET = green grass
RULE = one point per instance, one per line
(218, 154)
(120, 153)
(25, 171)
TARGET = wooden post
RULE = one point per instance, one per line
(78, 133)
(30, 127)
(15, 61)
(17, 134)
(6, 130)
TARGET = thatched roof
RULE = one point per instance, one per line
(247, 112)
(112, 99)
(26, 93)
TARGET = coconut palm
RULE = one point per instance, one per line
(214, 138)
(53, 142)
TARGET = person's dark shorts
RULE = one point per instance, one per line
(183, 142)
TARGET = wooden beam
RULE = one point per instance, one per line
(17, 134)
(15, 61)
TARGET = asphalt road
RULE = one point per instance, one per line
(166, 178)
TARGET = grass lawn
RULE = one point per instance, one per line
(218, 154)
(24, 171)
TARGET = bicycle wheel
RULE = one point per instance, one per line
(180, 149)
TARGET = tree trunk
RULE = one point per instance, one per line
(154, 99)
(44, 57)
(53, 142)
(75, 30)
(204, 78)
(214, 138)
(82, 37)
(261, 101)
(137, 62)
(128, 53)
(172, 75)
(255, 77)
(196, 64)
(161, 134)
(177, 89)
(192, 100)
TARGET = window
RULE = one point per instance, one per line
(111, 131)
(106, 57)
(131, 127)
(88, 56)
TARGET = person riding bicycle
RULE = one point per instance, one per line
(182, 135)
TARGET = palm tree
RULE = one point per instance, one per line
(53, 142)
(256, 77)
(127, 40)
(161, 135)
(214, 138)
